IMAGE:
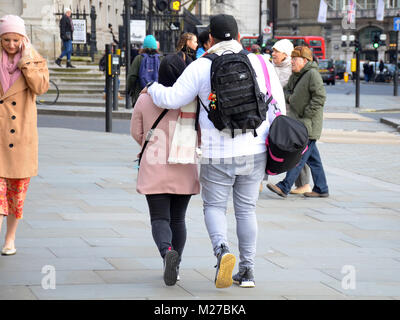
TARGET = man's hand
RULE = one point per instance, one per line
(144, 90)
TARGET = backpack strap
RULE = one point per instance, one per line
(210, 56)
(196, 123)
(150, 133)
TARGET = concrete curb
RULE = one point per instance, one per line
(120, 114)
(395, 123)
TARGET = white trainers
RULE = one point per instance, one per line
(8, 251)
(244, 278)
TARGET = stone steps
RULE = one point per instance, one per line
(81, 90)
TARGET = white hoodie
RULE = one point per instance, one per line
(195, 81)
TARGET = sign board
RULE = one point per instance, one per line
(138, 30)
(267, 30)
(79, 35)
(396, 24)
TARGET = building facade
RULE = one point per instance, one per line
(42, 21)
(299, 17)
(42, 18)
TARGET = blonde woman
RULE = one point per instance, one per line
(23, 75)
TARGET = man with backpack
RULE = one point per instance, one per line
(144, 68)
(306, 95)
(231, 87)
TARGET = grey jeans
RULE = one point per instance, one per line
(243, 175)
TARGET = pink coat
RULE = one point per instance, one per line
(156, 175)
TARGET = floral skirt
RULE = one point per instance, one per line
(12, 196)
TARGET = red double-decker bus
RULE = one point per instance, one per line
(316, 43)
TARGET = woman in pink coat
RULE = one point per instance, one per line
(23, 75)
(168, 187)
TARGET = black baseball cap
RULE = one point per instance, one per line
(223, 27)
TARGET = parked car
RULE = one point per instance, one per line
(387, 74)
(340, 66)
(327, 70)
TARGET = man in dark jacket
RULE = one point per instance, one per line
(66, 31)
(306, 95)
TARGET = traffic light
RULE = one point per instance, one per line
(161, 5)
(376, 43)
(175, 5)
(357, 46)
(137, 5)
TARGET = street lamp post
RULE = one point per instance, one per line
(396, 69)
(357, 51)
(150, 31)
(127, 51)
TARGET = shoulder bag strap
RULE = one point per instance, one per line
(298, 79)
(267, 83)
(150, 133)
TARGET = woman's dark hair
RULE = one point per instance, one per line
(148, 51)
(203, 38)
(171, 67)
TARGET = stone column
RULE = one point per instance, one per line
(11, 7)
(42, 27)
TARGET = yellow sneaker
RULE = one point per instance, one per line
(301, 190)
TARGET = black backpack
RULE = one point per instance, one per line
(286, 143)
(236, 101)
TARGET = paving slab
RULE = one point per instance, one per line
(16, 293)
(84, 217)
(373, 289)
(30, 278)
(108, 291)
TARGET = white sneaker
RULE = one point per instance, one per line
(8, 251)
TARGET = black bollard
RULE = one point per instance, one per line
(109, 95)
(115, 84)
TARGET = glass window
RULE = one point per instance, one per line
(323, 64)
(298, 42)
(370, 4)
(315, 43)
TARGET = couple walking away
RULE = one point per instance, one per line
(228, 163)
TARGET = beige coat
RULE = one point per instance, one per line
(18, 119)
(156, 175)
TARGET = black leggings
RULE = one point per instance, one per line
(167, 215)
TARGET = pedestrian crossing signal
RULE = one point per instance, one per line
(175, 5)
(375, 44)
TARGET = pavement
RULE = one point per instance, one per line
(86, 231)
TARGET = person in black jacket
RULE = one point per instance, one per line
(66, 31)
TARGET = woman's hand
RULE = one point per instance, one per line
(26, 48)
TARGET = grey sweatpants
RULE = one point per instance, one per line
(304, 177)
(243, 175)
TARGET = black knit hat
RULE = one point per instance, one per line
(223, 27)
